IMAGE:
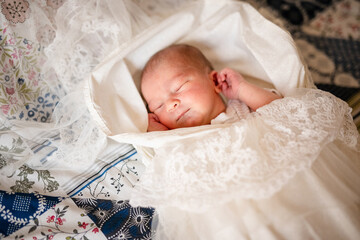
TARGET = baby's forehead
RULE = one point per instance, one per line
(165, 73)
(168, 61)
(155, 75)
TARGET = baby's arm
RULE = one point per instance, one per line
(154, 123)
(234, 86)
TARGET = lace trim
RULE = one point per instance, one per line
(252, 158)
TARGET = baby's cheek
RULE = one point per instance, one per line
(195, 97)
(165, 121)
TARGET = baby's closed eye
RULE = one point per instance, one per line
(181, 86)
(158, 106)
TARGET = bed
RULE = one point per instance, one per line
(91, 202)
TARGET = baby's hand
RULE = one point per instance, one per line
(154, 123)
(230, 81)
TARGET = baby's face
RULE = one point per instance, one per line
(182, 96)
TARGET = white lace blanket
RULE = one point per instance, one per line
(252, 158)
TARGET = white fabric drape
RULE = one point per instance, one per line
(290, 170)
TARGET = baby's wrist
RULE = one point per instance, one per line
(240, 89)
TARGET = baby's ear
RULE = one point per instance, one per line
(213, 75)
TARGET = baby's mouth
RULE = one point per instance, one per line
(181, 115)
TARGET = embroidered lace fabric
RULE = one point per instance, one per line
(74, 38)
(250, 159)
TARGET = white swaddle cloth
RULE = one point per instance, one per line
(190, 171)
(231, 34)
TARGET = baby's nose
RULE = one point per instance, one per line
(172, 104)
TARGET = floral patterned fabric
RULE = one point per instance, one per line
(339, 21)
(15, 11)
(134, 222)
(92, 203)
(62, 221)
(17, 210)
(34, 203)
(23, 95)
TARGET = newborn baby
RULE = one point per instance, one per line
(182, 89)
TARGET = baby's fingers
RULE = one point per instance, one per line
(224, 86)
(152, 117)
(221, 77)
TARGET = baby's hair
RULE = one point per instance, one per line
(188, 55)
